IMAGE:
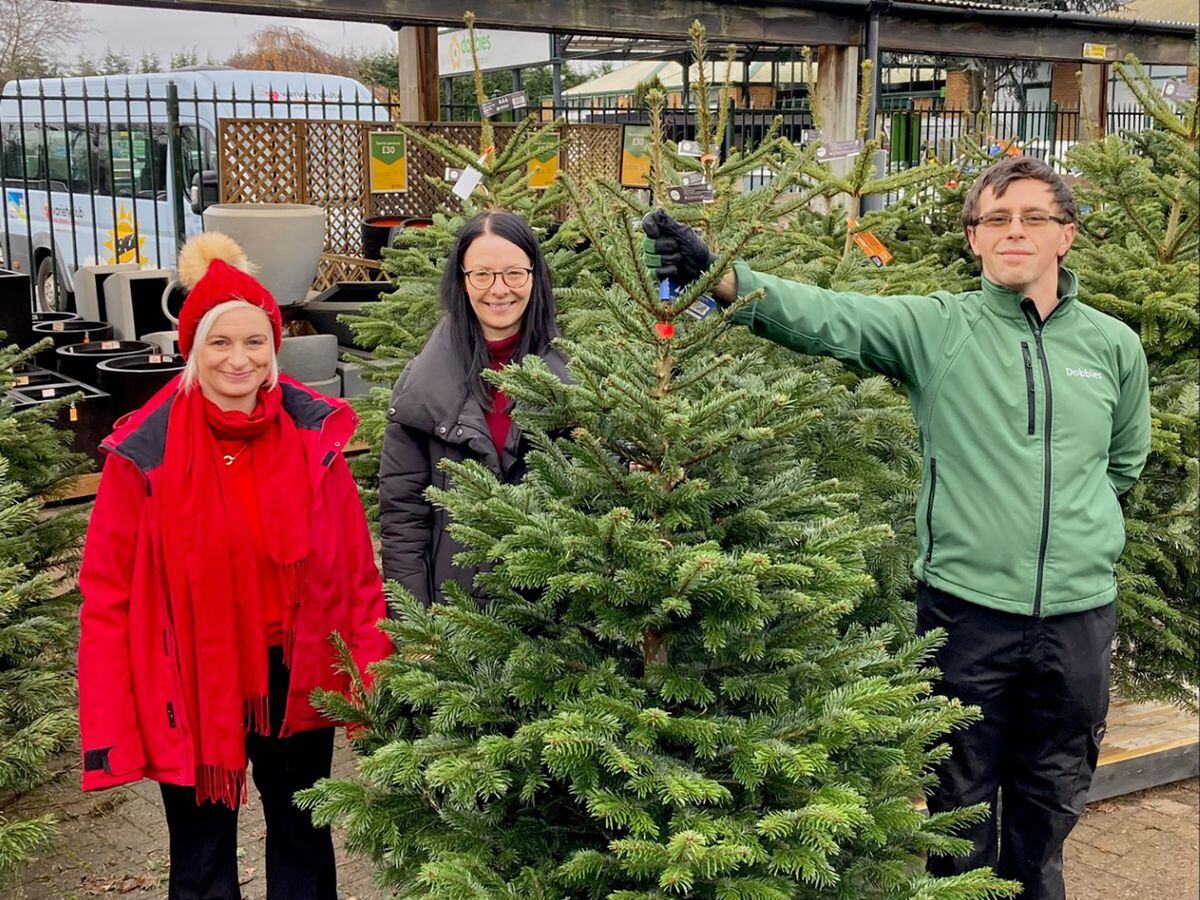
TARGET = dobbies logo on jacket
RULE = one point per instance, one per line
(1083, 373)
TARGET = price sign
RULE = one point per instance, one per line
(388, 153)
(635, 156)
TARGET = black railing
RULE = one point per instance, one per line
(99, 170)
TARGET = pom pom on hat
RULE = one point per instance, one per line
(215, 269)
(202, 249)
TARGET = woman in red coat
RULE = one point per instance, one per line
(226, 544)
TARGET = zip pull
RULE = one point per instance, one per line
(1030, 397)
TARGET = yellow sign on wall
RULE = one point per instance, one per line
(1099, 51)
(388, 154)
(543, 165)
(635, 156)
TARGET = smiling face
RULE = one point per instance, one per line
(1021, 257)
(235, 358)
(499, 308)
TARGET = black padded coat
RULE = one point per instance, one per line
(432, 416)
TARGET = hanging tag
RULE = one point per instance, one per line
(56, 326)
(839, 150)
(690, 193)
(869, 244)
(701, 309)
(47, 393)
(74, 415)
(808, 135)
(1178, 91)
(687, 179)
(22, 380)
(664, 290)
(666, 330)
(155, 358)
(468, 180)
(689, 148)
(110, 345)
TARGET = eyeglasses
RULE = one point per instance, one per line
(482, 279)
(1029, 220)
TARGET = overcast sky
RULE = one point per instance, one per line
(131, 30)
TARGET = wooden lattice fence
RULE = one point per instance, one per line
(324, 163)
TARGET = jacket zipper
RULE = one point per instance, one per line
(929, 508)
(1029, 394)
(1041, 566)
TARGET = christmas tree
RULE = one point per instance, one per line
(1136, 257)
(38, 607)
(662, 696)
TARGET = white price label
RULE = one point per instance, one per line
(467, 182)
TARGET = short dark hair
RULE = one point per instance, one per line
(538, 325)
(1017, 168)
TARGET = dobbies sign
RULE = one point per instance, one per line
(496, 49)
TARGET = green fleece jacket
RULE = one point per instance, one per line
(1029, 430)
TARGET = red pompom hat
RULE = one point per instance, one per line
(215, 269)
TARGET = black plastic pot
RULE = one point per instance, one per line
(68, 331)
(132, 380)
(89, 417)
(79, 361)
(34, 376)
(40, 316)
(379, 232)
(322, 311)
(16, 309)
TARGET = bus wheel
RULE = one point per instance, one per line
(50, 294)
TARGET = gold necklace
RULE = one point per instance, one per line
(229, 458)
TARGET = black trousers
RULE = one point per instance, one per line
(1043, 687)
(203, 837)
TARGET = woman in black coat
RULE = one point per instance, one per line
(499, 307)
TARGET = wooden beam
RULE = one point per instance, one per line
(770, 22)
(904, 26)
(418, 61)
(1003, 39)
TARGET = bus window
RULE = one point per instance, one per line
(22, 152)
(67, 154)
(137, 166)
(199, 152)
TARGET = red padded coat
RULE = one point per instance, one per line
(132, 721)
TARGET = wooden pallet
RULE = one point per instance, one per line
(1147, 744)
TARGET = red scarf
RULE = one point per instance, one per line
(499, 417)
(212, 573)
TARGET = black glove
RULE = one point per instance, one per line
(674, 250)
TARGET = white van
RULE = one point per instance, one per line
(88, 166)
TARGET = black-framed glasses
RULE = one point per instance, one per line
(1029, 220)
(482, 279)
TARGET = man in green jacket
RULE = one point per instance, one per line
(1034, 416)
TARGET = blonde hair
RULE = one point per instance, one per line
(191, 371)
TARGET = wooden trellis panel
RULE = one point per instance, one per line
(323, 162)
(262, 160)
(336, 181)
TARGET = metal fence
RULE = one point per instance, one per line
(99, 170)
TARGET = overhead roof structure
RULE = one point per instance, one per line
(970, 27)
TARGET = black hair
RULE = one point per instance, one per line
(538, 325)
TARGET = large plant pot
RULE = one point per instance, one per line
(324, 311)
(132, 380)
(79, 361)
(16, 309)
(380, 231)
(89, 418)
(283, 240)
(68, 331)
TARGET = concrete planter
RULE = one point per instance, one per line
(283, 240)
